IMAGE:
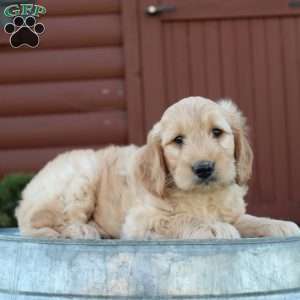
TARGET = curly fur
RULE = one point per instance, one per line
(150, 192)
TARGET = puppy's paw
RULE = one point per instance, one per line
(44, 232)
(278, 228)
(80, 231)
(225, 231)
(215, 231)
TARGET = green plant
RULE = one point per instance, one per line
(11, 187)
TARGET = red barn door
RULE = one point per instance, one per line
(247, 50)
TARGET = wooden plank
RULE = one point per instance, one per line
(277, 112)
(176, 61)
(81, 31)
(213, 59)
(61, 97)
(246, 97)
(63, 130)
(229, 62)
(244, 63)
(133, 72)
(291, 48)
(180, 55)
(198, 58)
(295, 106)
(152, 62)
(219, 9)
(168, 61)
(80, 7)
(28, 160)
(77, 31)
(61, 64)
(262, 113)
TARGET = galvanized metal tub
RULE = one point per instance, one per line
(112, 269)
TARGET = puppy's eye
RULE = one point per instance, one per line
(178, 140)
(217, 132)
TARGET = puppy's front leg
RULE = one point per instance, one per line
(250, 226)
(147, 224)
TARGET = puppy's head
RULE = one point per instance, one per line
(197, 145)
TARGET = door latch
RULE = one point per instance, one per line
(154, 10)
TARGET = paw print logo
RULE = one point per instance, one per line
(24, 32)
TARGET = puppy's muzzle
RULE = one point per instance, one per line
(203, 169)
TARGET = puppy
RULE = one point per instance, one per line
(187, 182)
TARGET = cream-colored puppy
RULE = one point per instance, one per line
(187, 182)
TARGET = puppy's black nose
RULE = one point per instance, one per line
(204, 168)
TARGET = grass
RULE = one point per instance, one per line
(11, 187)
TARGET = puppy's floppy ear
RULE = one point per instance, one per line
(150, 167)
(243, 152)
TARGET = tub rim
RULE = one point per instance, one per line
(11, 235)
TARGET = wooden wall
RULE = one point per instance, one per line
(105, 71)
(68, 92)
